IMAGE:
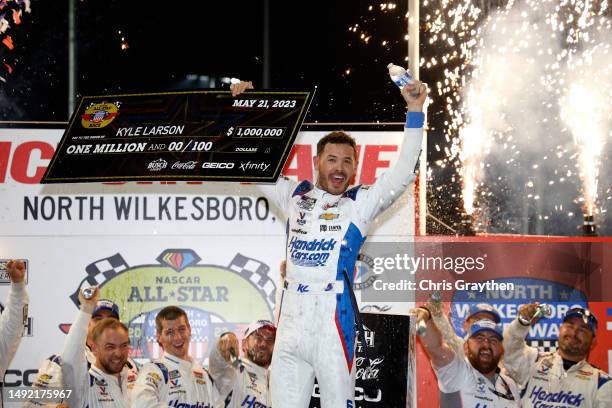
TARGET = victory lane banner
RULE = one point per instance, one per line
(204, 135)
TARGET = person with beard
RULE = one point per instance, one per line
(478, 311)
(49, 374)
(105, 384)
(175, 379)
(563, 378)
(473, 378)
(244, 381)
(327, 223)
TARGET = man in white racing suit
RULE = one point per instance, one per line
(175, 380)
(245, 381)
(561, 379)
(326, 225)
(472, 378)
(50, 372)
(13, 316)
(105, 382)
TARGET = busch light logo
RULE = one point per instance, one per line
(310, 253)
(157, 165)
(567, 398)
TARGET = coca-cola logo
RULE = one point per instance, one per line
(370, 371)
(188, 165)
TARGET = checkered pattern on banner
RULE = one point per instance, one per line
(256, 272)
(99, 272)
(543, 345)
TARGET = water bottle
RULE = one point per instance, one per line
(400, 76)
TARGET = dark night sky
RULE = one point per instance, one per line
(310, 45)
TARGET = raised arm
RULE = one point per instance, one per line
(12, 320)
(74, 368)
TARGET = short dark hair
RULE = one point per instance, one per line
(337, 137)
(104, 324)
(169, 313)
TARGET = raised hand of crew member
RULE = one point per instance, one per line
(526, 313)
(16, 270)
(240, 87)
(228, 346)
(421, 314)
(88, 305)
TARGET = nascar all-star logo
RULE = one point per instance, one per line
(216, 298)
(99, 115)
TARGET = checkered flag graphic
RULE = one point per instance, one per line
(545, 346)
(256, 272)
(99, 272)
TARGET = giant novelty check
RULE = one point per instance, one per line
(205, 135)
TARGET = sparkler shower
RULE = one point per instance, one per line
(527, 101)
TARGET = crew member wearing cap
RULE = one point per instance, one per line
(105, 382)
(244, 381)
(563, 378)
(472, 377)
(176, 379)
(50, 372)
(478, 311)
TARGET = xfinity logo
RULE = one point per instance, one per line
(215, 165)
(254, 166)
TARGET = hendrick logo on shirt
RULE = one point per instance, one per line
(310, 253)
(251, 402)
(568, 398)
(178, 404)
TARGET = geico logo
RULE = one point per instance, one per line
(360, 395)
(17, 378)
(214, 165)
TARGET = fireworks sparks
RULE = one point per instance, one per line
(123, 44)
(516, 73)
(11, 12)
(523, 85)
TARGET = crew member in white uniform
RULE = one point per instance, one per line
(50, 372)
(105, 383)
(245, 381)
(175, 380)
(561, 379)
(326, 225)
(473, 378)
(13, 317)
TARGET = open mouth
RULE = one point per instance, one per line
(337, 180)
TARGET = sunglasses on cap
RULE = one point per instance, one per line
(585, 314)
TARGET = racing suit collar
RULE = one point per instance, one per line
(325, 194)
(579, 365)
(254, 367)
(173, 360)
(96, 372)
